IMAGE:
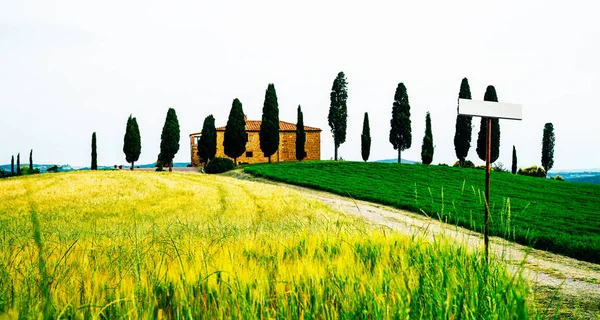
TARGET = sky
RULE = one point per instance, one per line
(69, 68)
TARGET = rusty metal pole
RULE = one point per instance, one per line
(487, 188)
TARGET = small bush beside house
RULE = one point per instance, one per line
(219, 165)
(467, 164)
(533, 171)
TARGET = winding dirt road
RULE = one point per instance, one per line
(576, 284)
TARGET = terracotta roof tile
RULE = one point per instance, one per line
(254, 125)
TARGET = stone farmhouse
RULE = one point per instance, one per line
(253, 154)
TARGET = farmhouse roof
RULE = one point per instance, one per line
(254, 126)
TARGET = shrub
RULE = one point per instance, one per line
(442, 165)
(26, 171)
(483, 167)
(219, 165)
(499, 167)
(533, 171)
(468, 164)
(53, 168)
(558, 177)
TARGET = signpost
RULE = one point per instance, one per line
(488, 110)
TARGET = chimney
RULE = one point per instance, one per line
(245, 118)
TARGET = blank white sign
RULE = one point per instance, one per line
(468, 107)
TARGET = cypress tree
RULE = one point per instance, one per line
(400, 132)
(94, 154)
(31, 160)
(18, 163)
(300, 136)
(490, 95)
(365, 139)
(235, 138)
(427, 147)
(462, 135)
(269, 127)
(12, 164)
(514, 161)
(547, 147)
(169, 139)
(338, 111)
(132, 146)
(207, 146)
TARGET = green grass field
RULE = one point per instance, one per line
(148, 245)
(557, 216)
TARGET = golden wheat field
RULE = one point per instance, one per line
(116, 244)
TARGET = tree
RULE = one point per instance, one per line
(547, 147)
(490, 95)
(169, 139)
(235, 138)
(31, 160)
(514, 161)
(300, 136)
(269, 127)
(365, 139)
(427, 147)
(18, 163)
(400, 133)
(12, 164)
(462, 135)
(94, 154)
(338, 111)
(207, 146)
(132, 146)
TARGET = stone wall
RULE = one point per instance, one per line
(253, 154)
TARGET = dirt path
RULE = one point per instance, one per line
(576, 282)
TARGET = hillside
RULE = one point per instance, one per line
(550, 215)
(121, 244)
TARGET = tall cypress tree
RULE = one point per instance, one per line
(338, 111)
(94, 154)
(132, 146)
(365, 139)
(400, 132)
(300, 136)
(514, 161)
(207, 146)
(12, 164)
(427, 147)
(462, 135)
(235, 139)
(31, 160)
(269, 127)
(169, 139)
(490, 95)
(547, 147)
(18, 163)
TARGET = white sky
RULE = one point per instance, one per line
(69, 68)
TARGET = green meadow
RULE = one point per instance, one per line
(556, 216)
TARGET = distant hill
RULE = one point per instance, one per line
(175, 165)
(42, 167)
(582, 176)
(66, 167)
(592, 179)
(396, 161)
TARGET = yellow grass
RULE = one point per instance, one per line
(169, 245)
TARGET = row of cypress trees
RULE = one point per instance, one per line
(400, 136)
(17, 170)
(235, 136)
(400, 132)
(132, 146)
(462, 137)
